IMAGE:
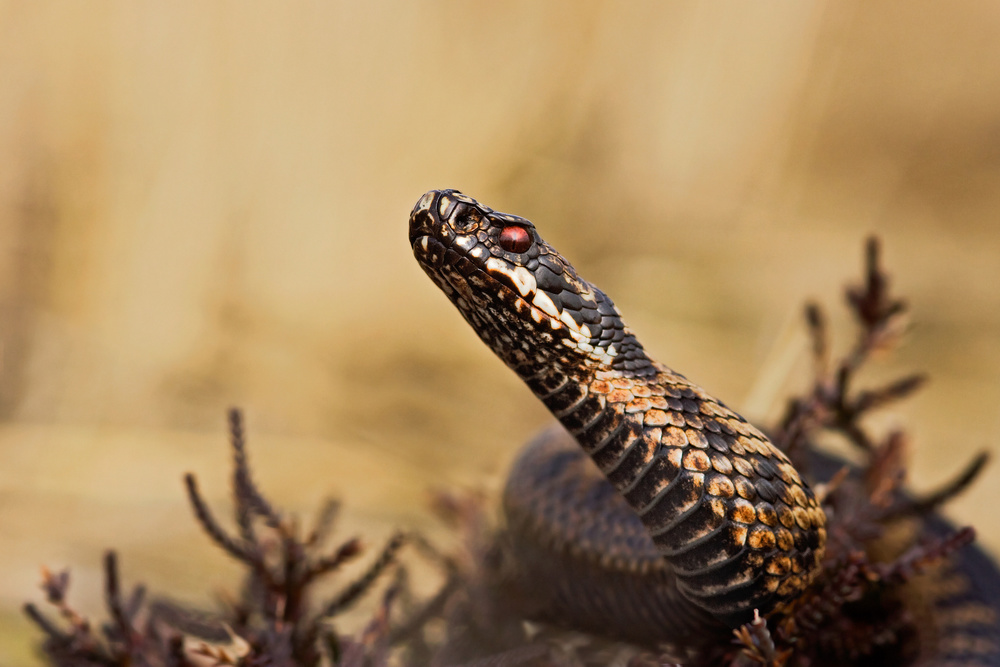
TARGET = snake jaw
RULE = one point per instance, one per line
(519, 277)
(427, 254)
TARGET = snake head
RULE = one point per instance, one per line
(520, 295)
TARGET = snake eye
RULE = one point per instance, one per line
(515, 239)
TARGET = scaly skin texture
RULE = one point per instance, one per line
(735, 526)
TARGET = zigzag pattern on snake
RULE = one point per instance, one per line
(701, 519)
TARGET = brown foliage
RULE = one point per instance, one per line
(854, 608)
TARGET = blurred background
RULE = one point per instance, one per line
(205, 205)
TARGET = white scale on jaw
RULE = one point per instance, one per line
(466, 243)
(520, 276)
(525, 283)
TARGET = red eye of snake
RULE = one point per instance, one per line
(515, 239)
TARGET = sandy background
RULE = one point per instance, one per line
(205, 204)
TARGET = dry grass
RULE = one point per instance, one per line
(204, 205)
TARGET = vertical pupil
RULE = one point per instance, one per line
(515, 239)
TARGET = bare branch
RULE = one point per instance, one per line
(325, 521)
(113, 600)
(349, 595)
(249, 499)
(925, 504)
(235, 548)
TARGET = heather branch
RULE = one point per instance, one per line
(923, 505)
(325, 521)
(237, 549)
(920, 556)
(113, 600)
(830, 403)
(431, 609)
(873, 307)
(195, 623)
(176, 656)
(249, 499)
(55, 585)
(135, 601)
(886, 469)
(430, 552)
(816, 321)
(371, 648)
(349, 595)
(344, 553)
(876, 398)
(269, 618)
(47, 626)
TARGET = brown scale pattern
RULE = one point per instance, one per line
(724, 506)
(686, 518)
(736, 527)
(581, 558)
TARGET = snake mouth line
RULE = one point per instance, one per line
(431, 251)
(428, 250)
(538, 306)
(516, 287)
(459, 258)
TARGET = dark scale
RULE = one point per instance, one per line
(624, 471)
(569, 394)
(607, 452)
(611, 430)
(586, 412)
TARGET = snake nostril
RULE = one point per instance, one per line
(464, 217)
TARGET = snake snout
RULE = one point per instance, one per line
(429, 236)
(423, 222)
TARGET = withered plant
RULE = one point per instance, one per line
(857, 610)
(271, 622)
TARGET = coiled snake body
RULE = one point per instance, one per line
(704, 520)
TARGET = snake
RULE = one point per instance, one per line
(653, 512)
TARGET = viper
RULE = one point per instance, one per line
(686, 520)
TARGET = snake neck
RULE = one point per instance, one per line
(724, 507)
(576, 389)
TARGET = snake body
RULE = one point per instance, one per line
(692, 519)
(726, 510)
